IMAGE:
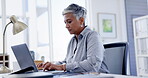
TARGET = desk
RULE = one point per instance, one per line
(92, 75)
(99, 76)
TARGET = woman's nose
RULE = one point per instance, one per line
(67, 26)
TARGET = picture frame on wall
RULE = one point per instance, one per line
(107, 25)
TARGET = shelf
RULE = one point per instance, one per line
(142, 55)
(137, 37)
(5, 61)
(143, 75)
(140, 27)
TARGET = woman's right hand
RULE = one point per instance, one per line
(49, 66)
(40, 66)
(44, 66)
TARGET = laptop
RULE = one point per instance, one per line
(26, 62)
(23, 56)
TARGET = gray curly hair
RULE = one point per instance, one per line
(77, 10)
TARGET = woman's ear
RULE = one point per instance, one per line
(81, 20)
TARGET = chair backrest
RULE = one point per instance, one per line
(116, 57)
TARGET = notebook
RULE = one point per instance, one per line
(23, 56)
(25, 60)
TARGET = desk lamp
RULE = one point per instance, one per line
(17, 27)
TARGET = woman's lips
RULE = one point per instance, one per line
(69, 29)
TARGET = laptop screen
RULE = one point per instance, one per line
(23, 56)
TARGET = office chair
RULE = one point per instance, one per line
(116, 57)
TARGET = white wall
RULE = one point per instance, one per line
(108, 6)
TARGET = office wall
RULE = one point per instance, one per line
(108, 6)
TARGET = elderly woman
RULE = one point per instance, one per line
(85, 51)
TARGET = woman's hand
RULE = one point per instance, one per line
(49, 66)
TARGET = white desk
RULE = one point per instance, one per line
(92, 75)
(99, 76)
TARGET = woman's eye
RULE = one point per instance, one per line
(69, 21)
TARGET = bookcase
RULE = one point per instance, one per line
(6, 60)
(140, 26)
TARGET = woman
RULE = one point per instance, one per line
(85, 51)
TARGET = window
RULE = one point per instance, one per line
(48, 36)
(1, 27)
(18, 11)
(42, 28)
(39, 28)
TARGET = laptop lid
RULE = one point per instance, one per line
(23, 56)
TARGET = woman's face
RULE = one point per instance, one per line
(72, 24)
